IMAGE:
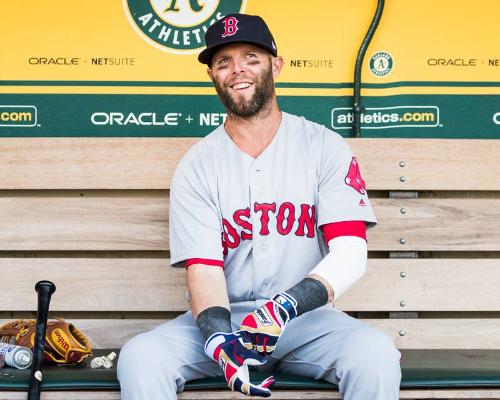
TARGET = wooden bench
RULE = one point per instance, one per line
(91, 214)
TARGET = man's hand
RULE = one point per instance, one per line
(261, 329)
(228, 351)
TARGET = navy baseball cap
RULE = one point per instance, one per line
(237, 28)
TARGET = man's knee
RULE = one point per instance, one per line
(369, 351)
(140, 355)
(145, 371)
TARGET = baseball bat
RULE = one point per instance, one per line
(44, 290)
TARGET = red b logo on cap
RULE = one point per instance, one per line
(230, 26)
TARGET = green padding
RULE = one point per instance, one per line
(450, 368)
(61, 377)
(421, 369)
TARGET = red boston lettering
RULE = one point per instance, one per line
(306, 219)
(264, 218)
(246, 233)
(231, 237)
(224, 244)
(284, 216)
(290, 219)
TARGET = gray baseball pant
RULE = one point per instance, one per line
(323, 344)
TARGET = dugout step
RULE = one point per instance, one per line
(421, 369)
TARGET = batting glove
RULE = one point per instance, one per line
(261, 329)
(228, 351)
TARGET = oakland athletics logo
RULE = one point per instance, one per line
(178, 26)
(381, 63)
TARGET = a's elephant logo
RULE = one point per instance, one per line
(354, 178)
(178, 26)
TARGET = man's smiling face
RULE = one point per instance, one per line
(243, 78)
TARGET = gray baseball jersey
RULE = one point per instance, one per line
(260, 216)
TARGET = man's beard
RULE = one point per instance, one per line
(264, 92)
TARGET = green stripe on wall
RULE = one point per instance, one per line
(56, 115)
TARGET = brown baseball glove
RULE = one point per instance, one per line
(64, 343)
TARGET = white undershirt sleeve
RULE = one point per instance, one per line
(345, 264)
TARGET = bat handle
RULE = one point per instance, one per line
(44, 290)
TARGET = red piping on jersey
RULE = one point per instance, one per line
(205, 261)
(345, 228)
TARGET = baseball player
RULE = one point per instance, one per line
(268, 215)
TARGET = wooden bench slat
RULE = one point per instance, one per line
(95, 284)
(148, 163)
(131, 220)
(467, 333)
(90, 163)
(442, 333)
(96, 222)
(429, 285)
(135, 284)
(436, 224)
(430, 164)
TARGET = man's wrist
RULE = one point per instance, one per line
(326, 284)
(214, 319)
(308, 294)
